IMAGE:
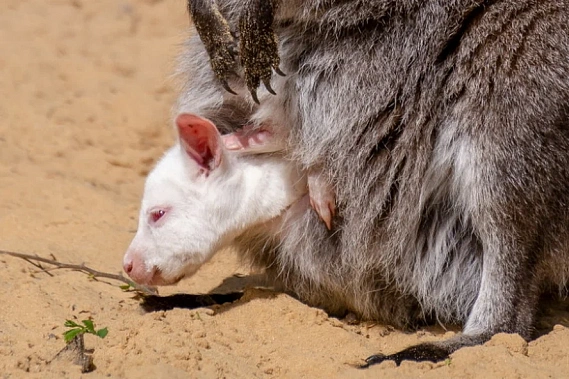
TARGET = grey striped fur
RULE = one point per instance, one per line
(443, 126)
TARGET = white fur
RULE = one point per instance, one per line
(206, 212)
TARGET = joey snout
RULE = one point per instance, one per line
(144, 273)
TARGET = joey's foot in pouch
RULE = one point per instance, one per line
(419, 353)
(258, 45)
(253, 141)
(322, 196)
(216, 36)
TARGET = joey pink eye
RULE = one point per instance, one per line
(157, 215)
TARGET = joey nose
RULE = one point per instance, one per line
(138, 270)
(127, 266)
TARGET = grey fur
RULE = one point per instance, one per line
(443, 126)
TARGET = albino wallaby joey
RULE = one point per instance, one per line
(443, 128)
(200, 197)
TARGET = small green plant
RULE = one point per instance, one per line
(87, 327)
(127, 287)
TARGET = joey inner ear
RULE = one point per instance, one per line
(200, 139)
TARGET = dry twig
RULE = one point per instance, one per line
(81, 268)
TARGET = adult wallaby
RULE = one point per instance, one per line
(444, 129)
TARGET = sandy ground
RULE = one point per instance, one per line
(85, 103)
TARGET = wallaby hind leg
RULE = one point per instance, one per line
(506, 303)
(512, 244)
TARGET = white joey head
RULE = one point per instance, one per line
(199, 197)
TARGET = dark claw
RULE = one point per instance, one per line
(267, 83)
(254, 96)
(278, 71)
(227, 88)
(372, 360)
(419, 353)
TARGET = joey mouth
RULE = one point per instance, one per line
(158, 279)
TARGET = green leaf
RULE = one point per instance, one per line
(89, 325)
(102, 332)
(71, 324)
(71, 333)
(125, 287)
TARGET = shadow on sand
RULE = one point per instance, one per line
(553, 309)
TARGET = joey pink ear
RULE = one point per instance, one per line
(200, 139)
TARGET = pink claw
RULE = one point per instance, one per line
(322, 197)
